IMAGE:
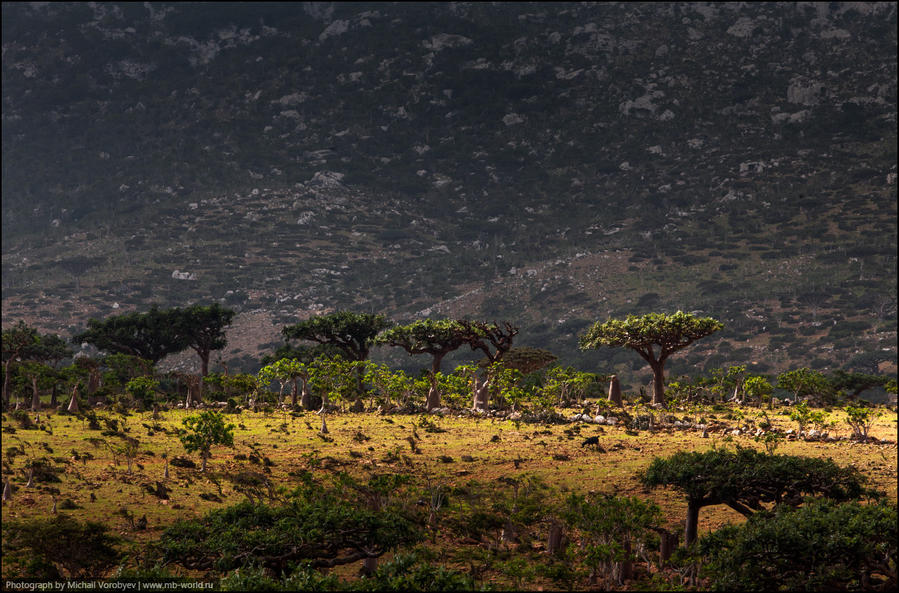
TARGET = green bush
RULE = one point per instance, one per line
(324, 526)
(60, 546)
(820, 546)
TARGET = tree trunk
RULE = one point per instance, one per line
(324, 428)
(435, 364)
(476, 384)
(6, 382)
(370, 565)
(73, 403)
(35, 396)
(304, 397)
(658, 383)
(293, 393)
(54, 395)
(205, 457)
(692, 522)
(554, 542)
(433, 398)
(615, 391)
(667, 546)
(93, 382)
(626, 568)
(481, 394)
(509, 534)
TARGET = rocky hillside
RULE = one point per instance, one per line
(552, 164)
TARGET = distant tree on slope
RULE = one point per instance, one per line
(654, 336)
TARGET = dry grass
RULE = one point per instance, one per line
(467, 449)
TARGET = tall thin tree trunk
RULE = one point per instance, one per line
(6, 383)
(304, 398)
(667, 545)
(370, 565)
(35, 396)
(692, 522)
(658, 383)
(554, 542)
(626, 568)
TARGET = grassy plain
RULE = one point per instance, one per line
(94, 484)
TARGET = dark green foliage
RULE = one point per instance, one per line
(202, 328)
(304, 354)
(427, 336)
(159, 332)
(415, 571)
(805, 383)
(746, 478)
(255, 578)
(612, 529)
(324, 526)
(352, 333)
(821, 546)
(852, 384)
(654, 336)
(412, 571)
(205, 430)
(26, 347)
(151, 335)
(43, 546)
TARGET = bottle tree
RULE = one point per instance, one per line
(655, 337)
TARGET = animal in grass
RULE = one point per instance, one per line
(593, 442)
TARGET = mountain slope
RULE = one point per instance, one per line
(547, 163)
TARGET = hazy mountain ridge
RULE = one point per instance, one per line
(552, 163)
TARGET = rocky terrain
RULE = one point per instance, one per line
(552, 164)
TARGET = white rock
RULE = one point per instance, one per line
(512, 119)
(338, 27)
(444, 40)
(742, 28)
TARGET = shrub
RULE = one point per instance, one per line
(43, 546)
(860, 420)
(744, 478)
(820, 546)
(324, 526)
